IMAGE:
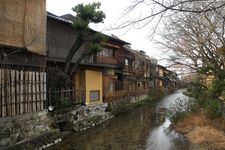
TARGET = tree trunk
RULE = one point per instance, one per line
(78, 57)
(77, 44)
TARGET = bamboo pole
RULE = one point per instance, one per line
(30, 92)
(22, 91)
(17, 96)
(8, 98)
(34, 92)
(1, 97)
(38, 91)
(12, 91)
(42, 89)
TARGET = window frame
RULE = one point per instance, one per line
(93, 100)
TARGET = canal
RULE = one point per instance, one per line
(144, 128)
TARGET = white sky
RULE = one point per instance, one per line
(114, 9)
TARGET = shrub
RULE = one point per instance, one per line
(109, 107)
(119, 107)
(179, 109)
(155, 93)
(213, 109)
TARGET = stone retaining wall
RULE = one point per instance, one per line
(20, 128)
(87, 117)
(82, 118)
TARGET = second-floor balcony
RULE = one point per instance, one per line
(106, 59)
(99, 59)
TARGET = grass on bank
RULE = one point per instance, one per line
(201, 130)
(201, 122)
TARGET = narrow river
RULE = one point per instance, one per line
(142, 129)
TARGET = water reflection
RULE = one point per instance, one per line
(161, 138)
(140, 129)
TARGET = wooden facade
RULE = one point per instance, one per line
(23, 24)
(22, 57)
(123, 71)
(116, 71)
(60, 38)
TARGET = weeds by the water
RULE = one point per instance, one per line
(191, 121)
(197, 120)
(119, 107)
(180, 108)
(208, 136)
(146, 101)
(201, 130)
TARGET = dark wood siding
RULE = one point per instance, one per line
(60, 38)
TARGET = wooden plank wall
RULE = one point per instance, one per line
(21, 91)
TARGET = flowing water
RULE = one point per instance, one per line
(144, 128)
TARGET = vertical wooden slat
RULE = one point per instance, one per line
(45, 91)
(42, 89)
(17, 97)
(30, 92)
(38, 91)
(1, 98)
(8, 100)
(3, 94)
(22, 91)
(34, 100)
(12, 80)
(26, 91)
(24, 86)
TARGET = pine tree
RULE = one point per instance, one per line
(85, 14)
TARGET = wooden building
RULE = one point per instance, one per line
(98, 74)
(166, 79)
(22, 56)
(117, 71)
(107, 64)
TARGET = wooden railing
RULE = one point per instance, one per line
(66, 97)
(129, 69)
(99, 59)
(106, 60)
(140, 70)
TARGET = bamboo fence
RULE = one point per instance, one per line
(22, 91)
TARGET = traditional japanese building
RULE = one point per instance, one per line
(22, 56)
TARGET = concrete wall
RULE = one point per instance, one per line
(23, 24)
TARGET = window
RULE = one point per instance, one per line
(94, 95)
(107, 52)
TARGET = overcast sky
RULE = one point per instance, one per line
(114, 9)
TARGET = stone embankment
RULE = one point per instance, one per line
(21, 128)
(39, 130)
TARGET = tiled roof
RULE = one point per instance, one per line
(51, 15)
(68, 20)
